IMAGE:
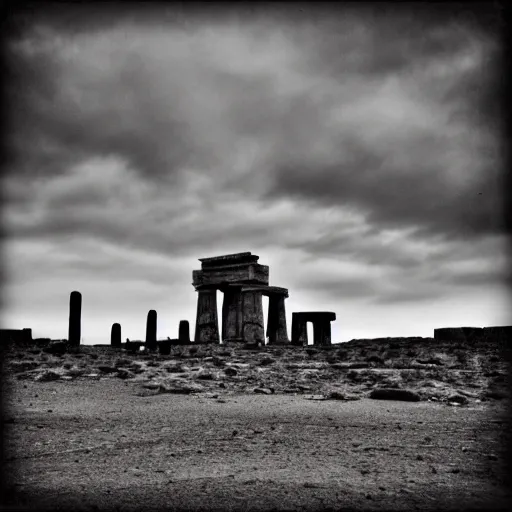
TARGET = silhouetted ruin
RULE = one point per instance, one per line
(75, 312)
(115, 335)
(321, 321)
(16, 335)
(473, 334)
(151, 330)
(184, 332)
(243, 282)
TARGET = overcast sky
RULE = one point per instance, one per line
(357, 151)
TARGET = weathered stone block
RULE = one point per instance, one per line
(184, 332)
(207, 325)
(252, 307)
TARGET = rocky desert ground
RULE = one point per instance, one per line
(394, 424)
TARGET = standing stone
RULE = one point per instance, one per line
(322, 332)
(299, 330)
(276, 324)
(253, 329)
(115, 335)
(184, 332)
(232, 315)
(75, 314)
(151, 330)
(207, 324)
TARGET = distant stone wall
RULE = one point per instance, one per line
(16, 335)
(473, 334)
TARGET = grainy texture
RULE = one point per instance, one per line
(81, 445)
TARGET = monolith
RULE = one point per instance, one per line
(75, 312)
(151, 330)
(115, 335)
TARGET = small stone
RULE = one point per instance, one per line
(364, 471)
(419, 457)
(264, 391)
(369, 497)
(434, 470)
(455, 470)
(230, 372)
(491, 456)
(107, 369)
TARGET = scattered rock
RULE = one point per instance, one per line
(56, 348)
(458, 399)
(124, 374)
(107, 369)
(181, 389)
(358, 365)
(394, 394)
(206, 376)
(47, 376)
(23, 366)
(151, 385)
(495, 394)
(264, 391)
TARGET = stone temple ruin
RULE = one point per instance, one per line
(243, 282)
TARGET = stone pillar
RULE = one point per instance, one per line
(232, 315)
(115, 335)
(151, 330)
(322, 332)
(276, 324)
(299, 330)
(207, 324)
(75, 316)
(184, 332)
(253, 330)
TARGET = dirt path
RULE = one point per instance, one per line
(99, 444)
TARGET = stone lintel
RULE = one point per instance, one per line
(250, 273)
(226, 259)
(265, 290)
(313, 316)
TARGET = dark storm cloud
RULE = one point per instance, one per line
(217, 117)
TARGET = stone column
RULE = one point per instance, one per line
(151, 330)
(253, 330)
(75, 316)
(276, 324)
(232, 315)
(322, 332)
(207, 324)
(299, 330)
(184, 332)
